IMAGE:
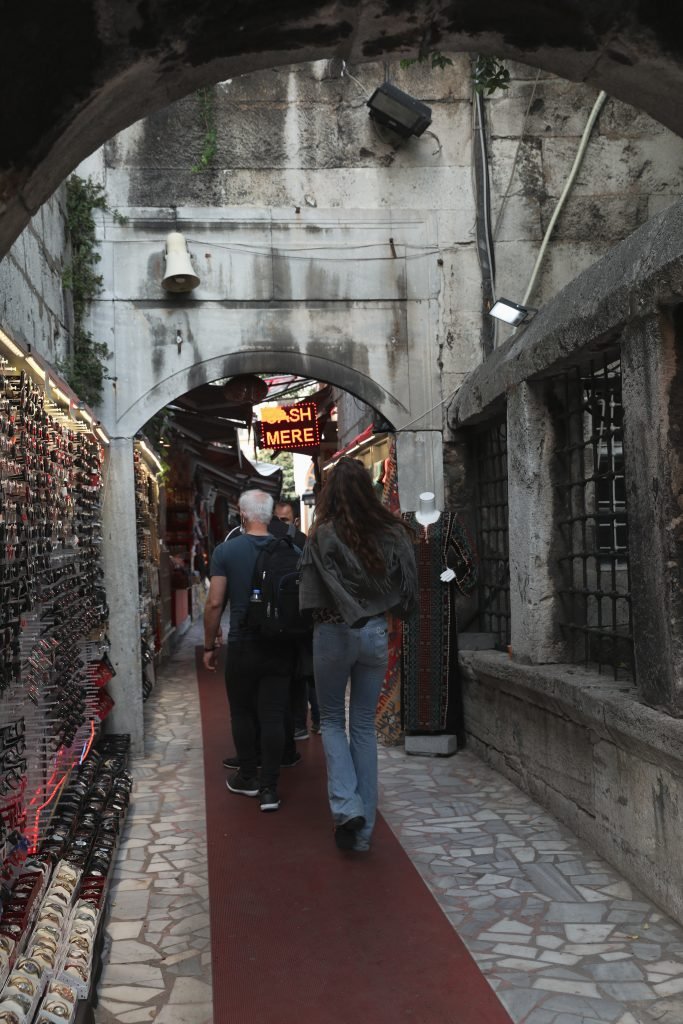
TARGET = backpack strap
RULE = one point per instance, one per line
(261, 552)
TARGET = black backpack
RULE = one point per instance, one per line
(274, 604)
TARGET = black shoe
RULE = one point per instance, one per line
(238, 784)
(234, 762)
(270, 801)
(345, 833)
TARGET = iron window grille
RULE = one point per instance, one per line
(596, 596)
(492, 530)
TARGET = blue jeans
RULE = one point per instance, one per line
(340, 653)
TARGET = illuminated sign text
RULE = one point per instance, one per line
(290, 426)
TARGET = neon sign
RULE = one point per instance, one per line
(290, 426)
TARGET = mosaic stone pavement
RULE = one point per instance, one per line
(560, 936)
(158, 956)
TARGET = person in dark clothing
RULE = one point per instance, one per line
(282, 524)
(257, 675)
(303, 684)
(358, 564)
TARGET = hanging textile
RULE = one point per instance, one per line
(426, 632)
(388, 714)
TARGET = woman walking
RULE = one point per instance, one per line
(358, 564)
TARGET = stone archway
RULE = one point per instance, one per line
(331, 371)
(104, 66)
(369, 331)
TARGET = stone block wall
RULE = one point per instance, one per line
(33, 307)
(300, 137)
(588, 749)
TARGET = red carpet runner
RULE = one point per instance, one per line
(304, 934)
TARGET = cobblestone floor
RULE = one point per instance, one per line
(560, 936)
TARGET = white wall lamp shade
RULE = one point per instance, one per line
(510, 312)
(179, 275)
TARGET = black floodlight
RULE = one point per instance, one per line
(397, 110)
(510, 312)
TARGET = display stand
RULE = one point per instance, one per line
(149, 554)
(428, 678)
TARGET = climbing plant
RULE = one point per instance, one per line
(489, 73)
(84, 368)
(207, 115)
(436, 59)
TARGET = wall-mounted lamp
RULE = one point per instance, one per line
(179, 275)
(510, 312)
(397, 110)
(308, 498)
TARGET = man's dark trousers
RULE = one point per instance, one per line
(257, 676)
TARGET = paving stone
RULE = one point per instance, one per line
(562, 938)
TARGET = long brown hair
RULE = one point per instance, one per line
(348, 500)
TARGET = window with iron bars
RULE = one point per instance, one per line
(492, 530)
(595, 598)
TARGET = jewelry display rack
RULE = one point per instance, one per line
(64, 787)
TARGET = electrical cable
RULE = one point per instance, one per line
(506, 194)
(486, 204)
(436, 152)
(578, 160)
(417, 251)
(427, 411)
(347, 73)
(484, 239)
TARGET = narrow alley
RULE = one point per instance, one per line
(555, 932)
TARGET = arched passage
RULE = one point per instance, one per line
(102, 67)
(359, 384)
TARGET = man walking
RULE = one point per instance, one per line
(257, 675)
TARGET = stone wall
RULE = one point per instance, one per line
(588, 749)
(300, 137)
(605, 756)
(33, 307)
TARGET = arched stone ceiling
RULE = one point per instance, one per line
(76, 73)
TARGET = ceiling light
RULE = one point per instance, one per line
(397, 110)
(150, 455)
(10, 346)
(510, 312)
(36, 367)
(58, 393)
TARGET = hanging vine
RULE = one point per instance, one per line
(207, 115)
(85, 367)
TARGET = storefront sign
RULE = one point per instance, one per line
(290, 426)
